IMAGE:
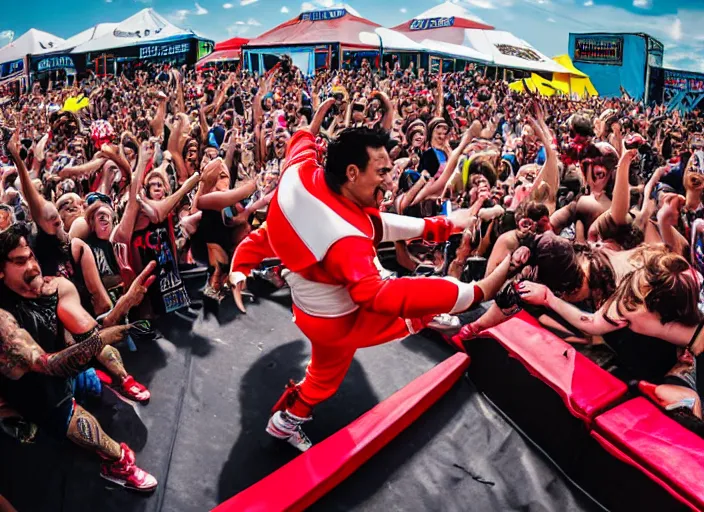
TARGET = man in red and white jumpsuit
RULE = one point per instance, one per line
(327, 243)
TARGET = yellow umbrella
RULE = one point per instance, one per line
(76, 103)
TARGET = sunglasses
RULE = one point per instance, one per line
(98, 196)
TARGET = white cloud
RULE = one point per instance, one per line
(180, 15)
(237, 30)
(588, 3)
(676, 30)
(284, 10)
(551, 20)
(7, 34)
(482, 4)
(403, 10)
(108, 1)
(247, 2)
(643, 4)
(240, 28)
(316, 5)
(227, 6)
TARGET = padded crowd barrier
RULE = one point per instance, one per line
(639, 434)
(308, 477)
(584, 387)
(554, 395)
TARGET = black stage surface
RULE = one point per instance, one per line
(213, 380)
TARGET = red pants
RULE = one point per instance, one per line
(334, 342)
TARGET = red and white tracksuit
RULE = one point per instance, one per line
(328, 246)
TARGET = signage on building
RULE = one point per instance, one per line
(684, 80)
(520, 52)
(59, 62)
(331, 14)
(428, 23)
(10, 68)
(163, 50)
(607, 50)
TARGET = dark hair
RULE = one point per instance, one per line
(350, 148)
(558, 267)
(10, 239)
(580, 125)
(533, 210)
(485, 168)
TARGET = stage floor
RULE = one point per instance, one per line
(214, 379)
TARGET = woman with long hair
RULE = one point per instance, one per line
(656, 300)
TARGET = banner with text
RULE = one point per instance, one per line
(430, 23)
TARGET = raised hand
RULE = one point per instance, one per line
(141, 284)
(13, 146)
(320, 114)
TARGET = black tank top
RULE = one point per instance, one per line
(104, 254)
(35, 395)
(641, 357)
(55, 259)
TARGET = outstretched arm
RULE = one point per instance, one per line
(123, 232)
(621, 200)
(351, 261)
(438, 186)
(34, 199)
(20, 354)
(218, 200)
(86, 169)
(165, 206)
(588, 323)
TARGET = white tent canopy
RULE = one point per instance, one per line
(31, 42)
(449, 27)
(144, 27)
(508, 51)
(455, 50)
(391, 40)
(96, 32)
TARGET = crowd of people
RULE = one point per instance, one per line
(586, 212)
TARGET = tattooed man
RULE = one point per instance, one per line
(36, 363)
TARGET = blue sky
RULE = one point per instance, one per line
(543, 23)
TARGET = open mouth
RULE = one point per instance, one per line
(599, 175)
(379, 195)
(34, 281)
(30, 276)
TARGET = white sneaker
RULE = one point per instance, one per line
(446, 324)
(286, 426)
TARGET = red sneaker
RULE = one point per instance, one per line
(134, 390)
(124, 472)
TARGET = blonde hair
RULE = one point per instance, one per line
(162, 176)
